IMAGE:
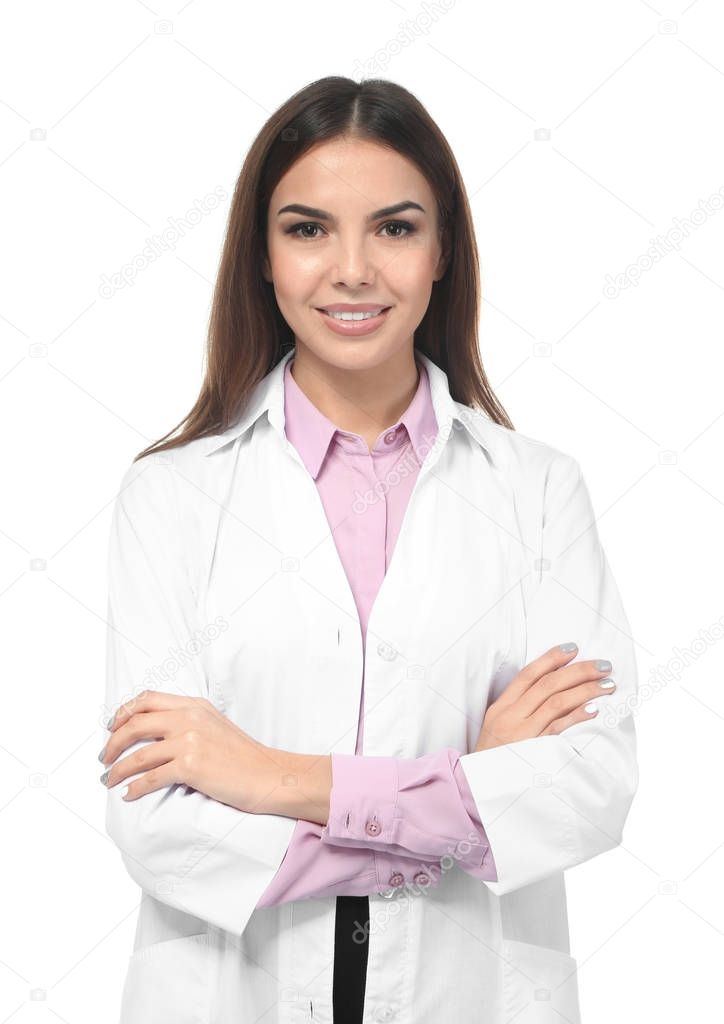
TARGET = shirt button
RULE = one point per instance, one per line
(422, 878)
(372, 828)
(390, 436)
(397, 879)
(386, 652)
(385, 1013)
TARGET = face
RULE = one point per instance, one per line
(353, 224)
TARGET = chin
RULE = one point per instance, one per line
(352, 353)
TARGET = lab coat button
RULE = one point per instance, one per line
(372, 828)
(397, 878)
(385, 1013)
(385, 651)
(422, 878)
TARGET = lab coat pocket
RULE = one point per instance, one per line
(540, 984)
(169, 983)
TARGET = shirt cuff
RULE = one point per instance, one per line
(362, 802)
(409, 807)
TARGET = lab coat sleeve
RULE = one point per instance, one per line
(554, 801)
(187, 850)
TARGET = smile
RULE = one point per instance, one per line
(350, 323)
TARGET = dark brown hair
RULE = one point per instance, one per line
(247, 334)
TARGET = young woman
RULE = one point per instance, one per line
(356, 622)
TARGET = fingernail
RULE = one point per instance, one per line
(591, 706)
(607, 684)
(603, 666)
(568, 647)
(109, 721)
(104, 777)
(100, 756)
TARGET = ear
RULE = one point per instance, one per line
(266, 269)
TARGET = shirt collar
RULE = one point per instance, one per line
(267, 396)
(311, 432)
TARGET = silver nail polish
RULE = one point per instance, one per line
(100, 756)
(591, 706)
(104, 777)
(607, 684)
(603, 666)
(566, 648)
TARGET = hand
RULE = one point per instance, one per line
(195, 745)
(545, 698)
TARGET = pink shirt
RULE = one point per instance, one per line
(391, 819)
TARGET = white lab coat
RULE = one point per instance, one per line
(225, 582)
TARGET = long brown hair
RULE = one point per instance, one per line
(247, 334)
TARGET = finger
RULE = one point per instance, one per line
(568, 702)
(552, 659)
(150, 781)
(151, 725)
(578, 715)
(148, 700)
(561, 681)
(150, 757)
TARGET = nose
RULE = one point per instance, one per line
(353, 266)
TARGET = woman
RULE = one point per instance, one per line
(349, 781)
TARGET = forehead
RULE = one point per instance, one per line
(354, 172)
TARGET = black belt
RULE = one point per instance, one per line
(351, 946)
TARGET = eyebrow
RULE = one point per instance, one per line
(387, 211)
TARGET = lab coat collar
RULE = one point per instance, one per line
(267, 396)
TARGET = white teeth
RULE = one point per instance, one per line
(355, 316)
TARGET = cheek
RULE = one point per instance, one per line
(412, 273)
(294, 274)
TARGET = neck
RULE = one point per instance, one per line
(361, 401)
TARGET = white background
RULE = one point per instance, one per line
(583, 131)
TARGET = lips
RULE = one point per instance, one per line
(355, 327)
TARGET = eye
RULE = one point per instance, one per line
(298, 230)
(408, 228)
